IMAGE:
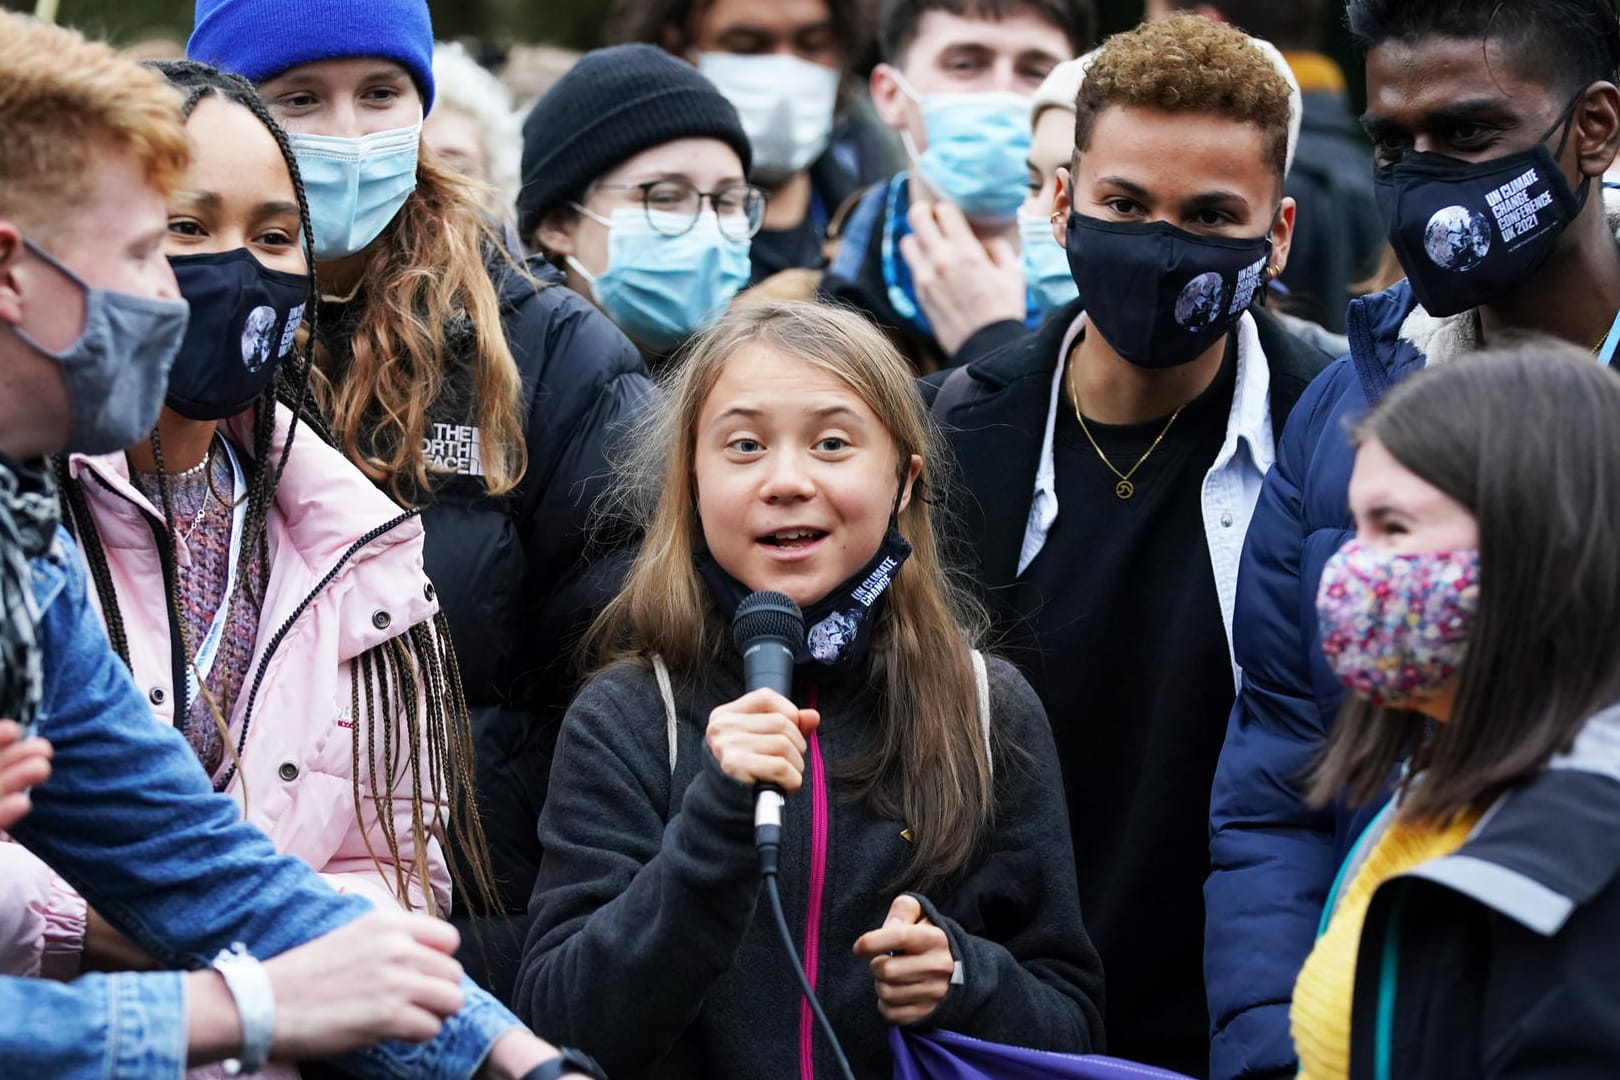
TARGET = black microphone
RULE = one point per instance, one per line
(768, 630)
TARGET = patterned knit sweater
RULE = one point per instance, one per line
(201, 503)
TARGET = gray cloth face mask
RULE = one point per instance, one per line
(118, 369)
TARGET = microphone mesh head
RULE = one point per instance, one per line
(767, 615)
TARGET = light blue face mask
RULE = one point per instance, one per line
(978, 150)
(663, 289)
(1046, 265)
(355, 187)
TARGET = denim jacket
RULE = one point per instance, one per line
(132, 822)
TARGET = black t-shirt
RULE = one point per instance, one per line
(1133, 669)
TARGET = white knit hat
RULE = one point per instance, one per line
(1061, 88)
(1296, 103)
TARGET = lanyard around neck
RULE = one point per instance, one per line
(203, 662)
(898, 288)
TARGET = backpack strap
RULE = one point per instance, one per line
(952, 391)
(667, 692)
(981, 681)
(853, 225)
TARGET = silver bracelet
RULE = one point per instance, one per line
(249, 985)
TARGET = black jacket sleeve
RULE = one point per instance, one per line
(589, 383)
(583, 382)
(1030, 975)
(633, 920)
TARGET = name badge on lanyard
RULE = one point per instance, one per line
(203, 662)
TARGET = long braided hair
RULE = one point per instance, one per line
(412, 678)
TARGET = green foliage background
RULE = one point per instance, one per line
(576, 24)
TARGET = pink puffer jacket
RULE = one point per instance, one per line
(345, 576)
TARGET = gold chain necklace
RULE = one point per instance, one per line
(1124, 489)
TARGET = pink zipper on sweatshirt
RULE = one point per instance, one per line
(818, 884)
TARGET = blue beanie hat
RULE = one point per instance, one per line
(260, 39)
(610, 106)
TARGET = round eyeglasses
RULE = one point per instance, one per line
(673, 206)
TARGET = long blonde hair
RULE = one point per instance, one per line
(929, 745)
(429, 275)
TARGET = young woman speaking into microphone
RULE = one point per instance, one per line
(925, 869)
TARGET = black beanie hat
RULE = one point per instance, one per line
(610, 106)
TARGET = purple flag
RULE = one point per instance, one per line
(945, 1055)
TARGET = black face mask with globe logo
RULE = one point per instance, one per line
(1468, 233)
(1161, 296)
(244, 319)
(838, 627)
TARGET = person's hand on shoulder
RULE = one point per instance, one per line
(386, 975)
(963, 284)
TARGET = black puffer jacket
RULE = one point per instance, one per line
(515, 574)
(654, 950)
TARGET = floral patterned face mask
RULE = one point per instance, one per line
(1395, 627)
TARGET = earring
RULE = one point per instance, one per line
(1056, 218)
(1273, 272)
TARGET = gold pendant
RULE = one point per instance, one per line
(1124, 489)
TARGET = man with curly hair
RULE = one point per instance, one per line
(1112, 461)
(1338, 239)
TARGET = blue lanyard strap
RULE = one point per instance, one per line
(1389, 974)
(898, 288)
(897, 278)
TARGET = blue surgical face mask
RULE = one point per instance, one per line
(1046, 264)
(663, 289)
(978, 150)
(355, 187)
(118, 368)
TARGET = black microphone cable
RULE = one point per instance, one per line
(765, 630)
(768, 837)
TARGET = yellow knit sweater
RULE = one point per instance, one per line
(1320, 1016)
